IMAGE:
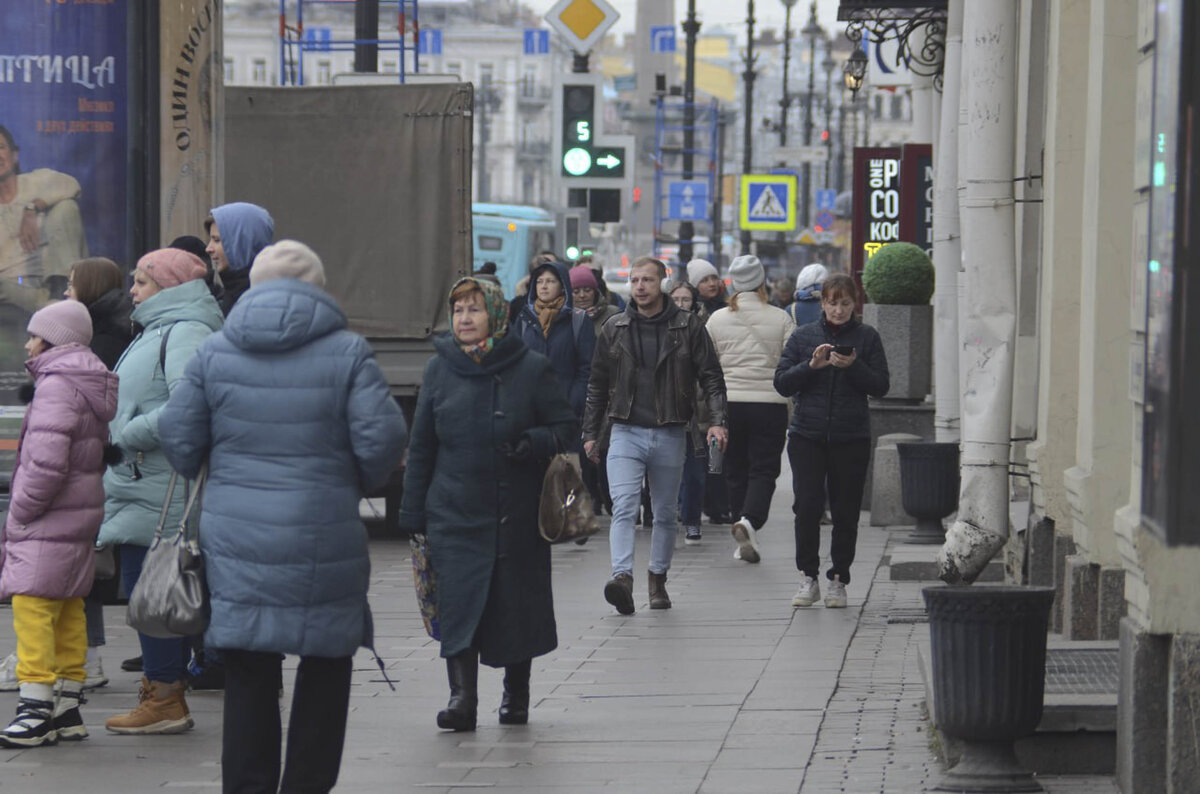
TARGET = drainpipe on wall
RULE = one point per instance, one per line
(988, 321)
(947, 246)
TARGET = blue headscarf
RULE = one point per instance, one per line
(245, 230)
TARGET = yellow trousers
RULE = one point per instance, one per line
(51, 639)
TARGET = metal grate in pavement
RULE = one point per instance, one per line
(1081, 671)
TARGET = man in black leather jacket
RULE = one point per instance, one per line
(645, 372)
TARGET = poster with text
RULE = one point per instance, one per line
(63, 149)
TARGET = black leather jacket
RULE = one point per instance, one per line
(685, 359)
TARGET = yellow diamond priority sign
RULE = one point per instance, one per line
(582, 22)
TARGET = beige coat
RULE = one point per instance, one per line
(749, 342)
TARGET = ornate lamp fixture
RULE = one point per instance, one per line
(897, 20)
(854, 70)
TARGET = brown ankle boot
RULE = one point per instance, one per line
(161, 709)
(658, 591)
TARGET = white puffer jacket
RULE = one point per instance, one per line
(749, 342)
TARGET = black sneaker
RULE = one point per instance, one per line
(68, 722)
(691, 536)
(32, 727)
(133, 665)
(619, 593)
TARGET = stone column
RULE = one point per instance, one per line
(1098, 483)
(1058, 336)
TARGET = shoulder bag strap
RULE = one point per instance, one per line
(194, 499)
(162, 517)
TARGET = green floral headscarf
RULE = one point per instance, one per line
(497, 312)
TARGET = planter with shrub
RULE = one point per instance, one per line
(898, 281)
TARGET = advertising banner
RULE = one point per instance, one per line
(64, 80)
(916, 200)
(190, 98)
(876, 203)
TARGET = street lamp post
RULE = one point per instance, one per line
(785, 101)
(827, 65)
(748, 131)
(812, 32)
(690, 27)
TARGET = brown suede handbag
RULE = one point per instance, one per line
(565, 509)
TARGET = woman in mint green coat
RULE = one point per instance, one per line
(176, 312)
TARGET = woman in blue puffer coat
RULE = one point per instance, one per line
(295, 418)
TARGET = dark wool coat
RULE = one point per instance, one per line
(570, 353)
(112, 328)
(831, 403)
(478, 507)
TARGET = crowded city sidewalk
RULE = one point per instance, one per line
(732, 690)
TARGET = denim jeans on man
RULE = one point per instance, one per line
(656, 453)
(691, 489)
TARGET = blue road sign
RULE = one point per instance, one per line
(317, 39)
(687, 201)
(826, 199)
(537, 41)
(824, 219)
(662, 38)
(429, 42)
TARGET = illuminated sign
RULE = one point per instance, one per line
(581, 157)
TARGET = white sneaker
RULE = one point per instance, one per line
(8, 674)
(836, 597)
(747, 539)
(809, 592)
(95, 671)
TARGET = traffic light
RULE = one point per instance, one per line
(581, 157)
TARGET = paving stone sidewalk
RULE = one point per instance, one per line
(730, 691)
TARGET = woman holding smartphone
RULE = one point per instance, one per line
(829, 368)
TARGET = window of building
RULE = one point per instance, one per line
(390, 66)
(529, 81)
(454, 67)
(260, 71)
(897, 109)
(324, 72)
(878, 107)
(229, 70)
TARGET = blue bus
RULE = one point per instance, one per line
(510, 235)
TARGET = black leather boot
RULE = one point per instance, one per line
(514, 706)
(463, 672)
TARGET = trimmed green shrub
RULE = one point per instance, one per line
(899, 274)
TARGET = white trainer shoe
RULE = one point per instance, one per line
(809, 592)
(836, 597)
(95, 671)
(8, 674)
(747, 540)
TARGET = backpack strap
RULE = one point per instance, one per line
(162, 350)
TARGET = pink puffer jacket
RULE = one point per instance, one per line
(57, 499)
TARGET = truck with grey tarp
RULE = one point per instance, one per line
(377, 179)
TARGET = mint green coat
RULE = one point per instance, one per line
(132, 504)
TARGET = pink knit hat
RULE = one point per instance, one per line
(62, 323)
(582, 276)
(170, 267)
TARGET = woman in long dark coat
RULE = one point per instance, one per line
(490, 415)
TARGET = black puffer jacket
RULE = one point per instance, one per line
(831, 403)
(687, 366)
(112, 329)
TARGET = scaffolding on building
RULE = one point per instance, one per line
(295, 39)
(683, 195)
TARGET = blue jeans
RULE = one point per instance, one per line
(162, 659)
(657, 454)
(691, 490)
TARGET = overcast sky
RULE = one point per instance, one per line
(767, 13)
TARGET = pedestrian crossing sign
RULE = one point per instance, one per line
(768, 202)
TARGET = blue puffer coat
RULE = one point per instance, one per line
(571, 342)
(135, 488)
(296, 420)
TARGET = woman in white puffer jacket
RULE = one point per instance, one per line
(749, 336)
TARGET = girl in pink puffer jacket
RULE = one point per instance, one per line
(56, 506)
